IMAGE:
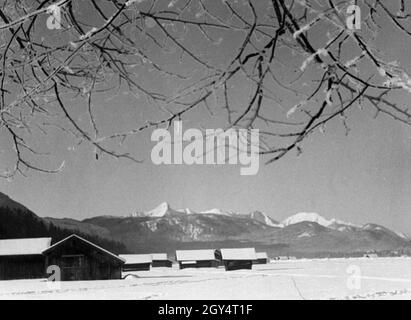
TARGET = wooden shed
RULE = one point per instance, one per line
(197, 258)
(80, 259)
(262, 258)
(136, 262)
(238, 258)
(22, 258)
(160, 260)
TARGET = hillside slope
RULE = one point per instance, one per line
(16, 221)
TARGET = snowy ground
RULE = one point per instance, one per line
(381, 278)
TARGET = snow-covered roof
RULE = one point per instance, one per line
(136, 258)
(196, 255)
(30, 246)
(238, 254)
(86, 241)
(159, 256)
(261, 255)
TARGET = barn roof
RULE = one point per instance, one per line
(159, 256)
(30, 246)
(136, 258)
(195, 255)
(238, 254)
(262, 255)
(57, 244)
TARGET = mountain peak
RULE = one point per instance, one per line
(315, 217)
(164, 209)
(216, 211)
(306, 217)
(264, 218)
(377, 227)
(159, 211)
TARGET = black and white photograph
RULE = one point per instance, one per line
(207, 150)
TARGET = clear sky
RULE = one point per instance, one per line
(363, 177)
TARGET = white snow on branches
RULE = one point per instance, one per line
(320, 52)
(307, 26)
(401, 81)
(302, 30)
(88, 34)
(130, 2)
(354, 61)
(296, 108)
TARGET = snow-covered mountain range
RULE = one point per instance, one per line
(164, 210)
(303, 234)
(165, 229)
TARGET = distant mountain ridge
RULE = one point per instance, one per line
(165, 229)
(308, 234)
(164, 209)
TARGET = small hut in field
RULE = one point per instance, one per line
(136, 262)
(80, 259)
(160, 260)
(262, 258)
(238, 258)
(281, 258)
(197, 258)
(22, 258)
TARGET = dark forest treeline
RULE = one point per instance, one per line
(17, 223)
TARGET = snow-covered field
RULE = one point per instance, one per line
(379, 278)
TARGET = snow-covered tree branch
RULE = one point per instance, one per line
(287, 67)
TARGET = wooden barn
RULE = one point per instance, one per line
(80, 259)
(22, 258)
(136, 262)
(160, 260)
(262, 258)
(238, 258)
(197, 258)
